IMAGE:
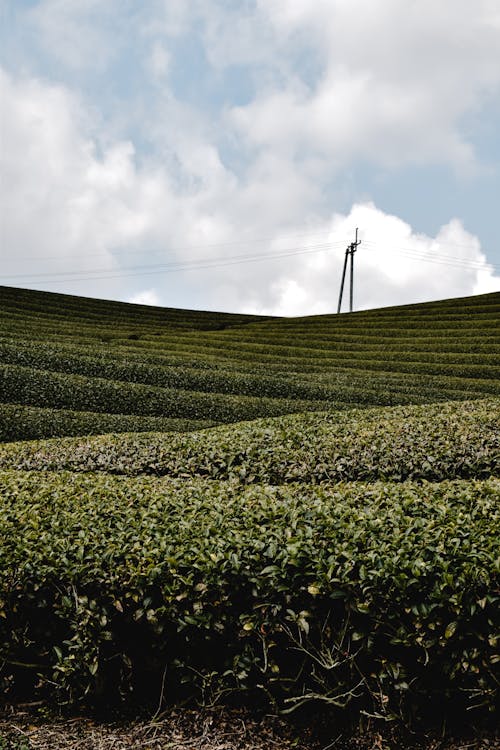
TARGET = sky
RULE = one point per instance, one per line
(220, 154)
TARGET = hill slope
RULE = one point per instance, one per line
(73, 366)
(345, 555)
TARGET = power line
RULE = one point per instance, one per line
(194, 264)
(223, 261)
(237, 243)
(199, 246)
(451, 260)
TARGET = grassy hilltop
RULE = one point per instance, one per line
(288, 511)
(74, 366)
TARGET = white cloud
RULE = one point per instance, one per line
(393, 265)
(393, 82)
(383, 82)
(68, 204)
(75, 201)
(146, 297)
(76, 32)
(171, 17)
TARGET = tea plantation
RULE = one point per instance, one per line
(285, 512)
(100, 365)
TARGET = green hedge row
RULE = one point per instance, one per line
(328, 337)
(60, 330)
(442, 441)
(279, 393)
(75, 309)
(113, 367)
(85, 361)
(18, 422)
(355, 386)
(381, 597)
(30, 386)
(296, 357)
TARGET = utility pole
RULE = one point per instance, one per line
(350, 250)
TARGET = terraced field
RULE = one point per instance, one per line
(101, 365)
(282, 511)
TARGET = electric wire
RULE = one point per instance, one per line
(198, 246)
(416, 254)
(205, 263)
(225, 261)
(255, 241)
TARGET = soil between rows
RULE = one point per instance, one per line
(221, 729)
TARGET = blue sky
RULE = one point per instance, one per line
(219, 154)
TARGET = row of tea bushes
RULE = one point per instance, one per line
(18, 422)
(354, 386)
(30, 386)
(381, 597)
(75, 311)
(112, 366)
(244, 341)
(433, 442)
(75, 354)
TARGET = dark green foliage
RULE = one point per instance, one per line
(335, 554)
(442, 441)
(19, 422)
(89, 355)
(384, 596)
(29, 386)
(71, 310)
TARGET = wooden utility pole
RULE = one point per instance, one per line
(343, 279)
(350, 250)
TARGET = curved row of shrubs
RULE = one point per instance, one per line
(433, 442)
(20, 422)
(30, 386)
(379, 597)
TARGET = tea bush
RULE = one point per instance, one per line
(18, 422)
(76, 354)
(442, 441)
(30, 386)
(382, 597)
(340, 555)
